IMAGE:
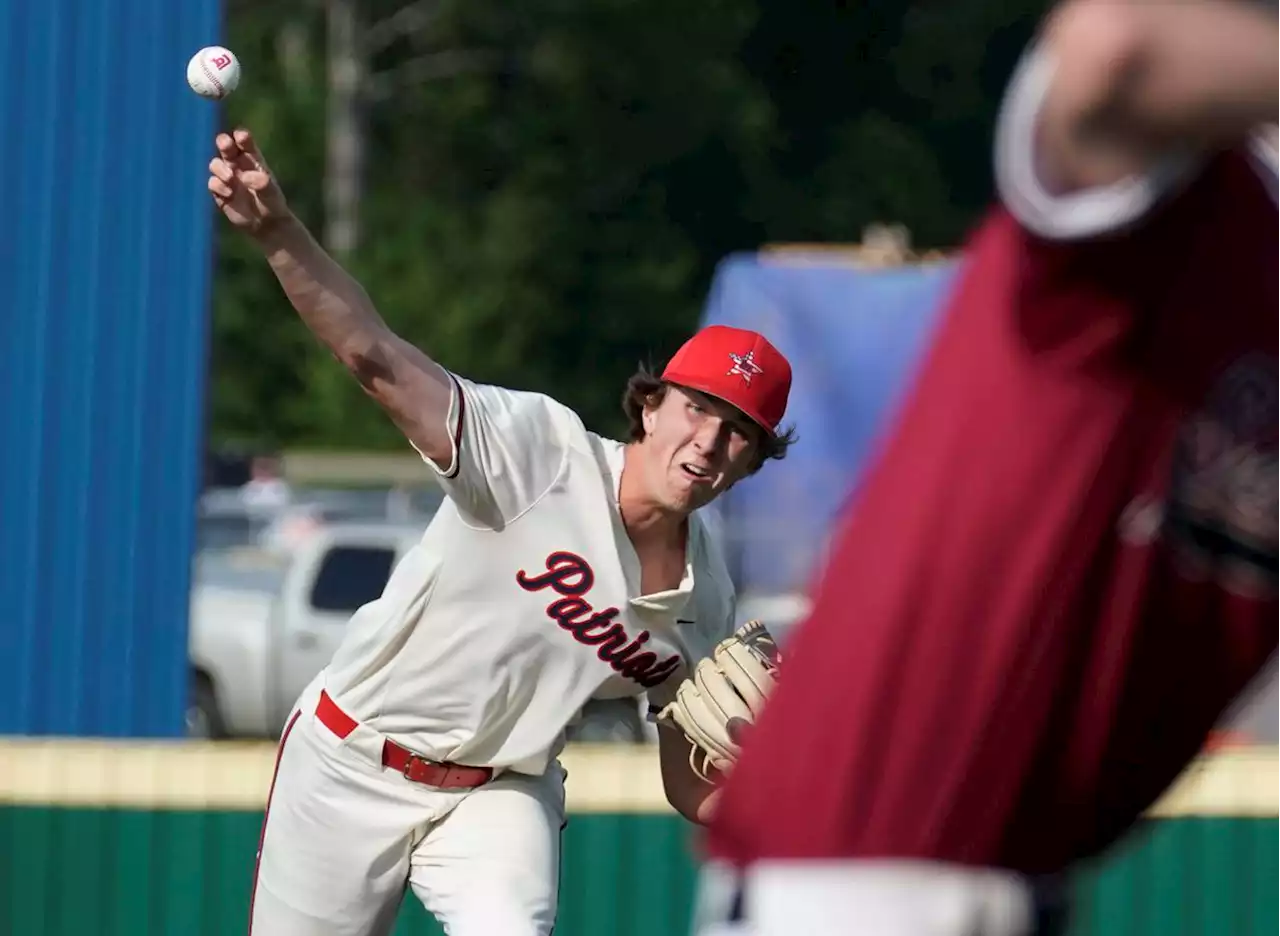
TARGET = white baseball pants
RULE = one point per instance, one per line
(863, 898)
(343, 838)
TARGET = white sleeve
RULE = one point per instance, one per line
(1075, 215)
(509, 447)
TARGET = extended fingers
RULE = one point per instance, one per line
(228, 174)
(221, 176)
(219, 188)
(222, 169)
(227, 147)
(240, 151)
(235, 155)
(238, 175)
(245, 143)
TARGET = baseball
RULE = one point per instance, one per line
(213, 72)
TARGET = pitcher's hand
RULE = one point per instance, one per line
(243, 187)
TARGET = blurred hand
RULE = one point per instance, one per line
(243, 187)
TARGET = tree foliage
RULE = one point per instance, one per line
(549, 185)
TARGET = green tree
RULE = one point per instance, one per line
(554, 217)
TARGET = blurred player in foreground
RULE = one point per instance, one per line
(562, 567)
(1062, 568)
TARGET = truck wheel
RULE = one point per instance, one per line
(202, 718)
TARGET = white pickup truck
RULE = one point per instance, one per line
(261, 629)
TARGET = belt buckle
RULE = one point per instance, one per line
(408, 766)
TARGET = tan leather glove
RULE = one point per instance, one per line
(725, 694)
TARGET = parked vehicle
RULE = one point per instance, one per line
(262, 625)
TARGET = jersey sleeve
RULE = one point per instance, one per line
(508, 449)
(1073, 215)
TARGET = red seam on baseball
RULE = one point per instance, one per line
(217, 85)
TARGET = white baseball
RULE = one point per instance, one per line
(213, 72)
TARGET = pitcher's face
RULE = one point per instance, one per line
(695, 448)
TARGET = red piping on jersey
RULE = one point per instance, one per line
(457, 431)
(262, 836)
(334, 718)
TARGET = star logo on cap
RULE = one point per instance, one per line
(745, 366)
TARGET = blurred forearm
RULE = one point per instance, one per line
(1135, 79)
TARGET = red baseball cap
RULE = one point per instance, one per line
(738, 366)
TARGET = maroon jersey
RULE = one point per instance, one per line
(1061, 569)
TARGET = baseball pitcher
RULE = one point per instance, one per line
(562, 567)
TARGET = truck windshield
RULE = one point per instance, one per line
(350, 577)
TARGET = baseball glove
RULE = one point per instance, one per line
(724, 695)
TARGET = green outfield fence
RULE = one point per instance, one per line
(148, 839)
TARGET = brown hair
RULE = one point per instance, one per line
(647, 389)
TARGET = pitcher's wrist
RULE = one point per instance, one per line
(277, 234)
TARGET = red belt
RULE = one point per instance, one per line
(418, 769)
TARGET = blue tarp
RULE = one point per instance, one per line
(853, 337)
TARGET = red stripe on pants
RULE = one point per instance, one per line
(262, 836)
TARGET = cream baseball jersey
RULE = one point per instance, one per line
(522, 601)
